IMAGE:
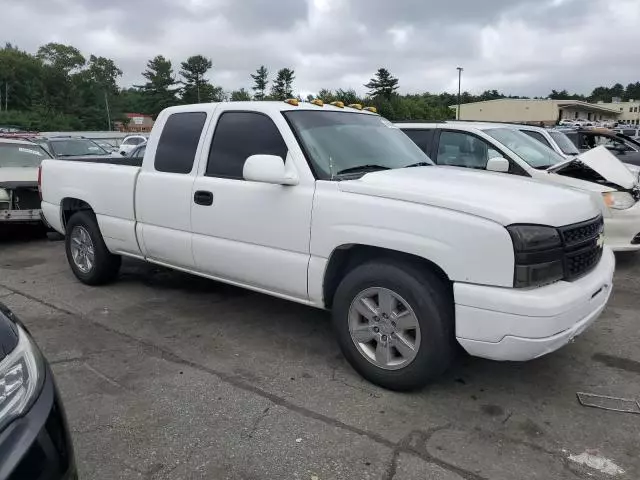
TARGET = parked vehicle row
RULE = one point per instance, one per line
(511, 149)
(336, 208)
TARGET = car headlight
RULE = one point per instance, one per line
(618, 200)
(538, 255)
(21, 377)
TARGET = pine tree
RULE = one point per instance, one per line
(261, 80)
(383, 85)
(240, 95)
(282, 87)
(159, 89)
(193, 71)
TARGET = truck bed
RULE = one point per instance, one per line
(107, 185)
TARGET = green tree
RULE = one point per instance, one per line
(282, 87)
(383, 84)
(632, 91)
(61, 57)
(193, 71)
(240, 95)
(159, 91)
(326, 95)
(261, 80)
(20, 79)
(347, 96)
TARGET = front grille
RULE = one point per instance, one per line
(582, 247)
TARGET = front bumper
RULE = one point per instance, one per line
(523, 324)
(21, 216)
(38, 446)
(621, 227)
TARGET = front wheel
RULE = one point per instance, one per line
(90, 260)
(395, 324)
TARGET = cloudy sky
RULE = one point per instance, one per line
(522, 47)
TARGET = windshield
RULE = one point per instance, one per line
(76, 147)
(566, 146)
(17, 155)
(531, 151)
(339, 141)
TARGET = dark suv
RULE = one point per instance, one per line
(34, 437)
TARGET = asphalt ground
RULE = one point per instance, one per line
(170, 376)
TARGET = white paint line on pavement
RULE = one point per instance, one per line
(597, 462)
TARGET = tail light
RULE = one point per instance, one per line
(40, 182)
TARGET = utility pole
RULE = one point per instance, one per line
(459, 85)
(198, 86)
(106, 102)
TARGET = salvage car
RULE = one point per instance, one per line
(34, 436)
(19, 197)
(503, 148)
(622, 146)
(333, 207)
(131, 142)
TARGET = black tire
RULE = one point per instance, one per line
(431, 300)
(106, 265)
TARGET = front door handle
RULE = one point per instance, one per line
(202, 197)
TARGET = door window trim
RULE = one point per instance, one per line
(213, 136)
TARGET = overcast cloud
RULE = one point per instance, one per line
(521, 47)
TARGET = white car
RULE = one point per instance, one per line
(131, 142)
(19, 197)
(553, 138)
(335, 208)
(502, 148)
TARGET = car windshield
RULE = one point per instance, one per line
(531, 151)
(22, 156)
(76, 147)
(566, 145)
(353, 143)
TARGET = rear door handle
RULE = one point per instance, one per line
(202, 197)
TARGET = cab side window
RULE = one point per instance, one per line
(239, 135)
(422, 138)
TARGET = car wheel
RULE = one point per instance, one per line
(395, 324)
(87, 254)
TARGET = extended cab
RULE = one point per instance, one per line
(336, 208)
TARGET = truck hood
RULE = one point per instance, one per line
(11, 177)
(505, 199)
(605, 164)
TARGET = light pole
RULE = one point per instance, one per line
(459, 84)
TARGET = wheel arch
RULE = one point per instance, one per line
(71, 205)
(345, 258)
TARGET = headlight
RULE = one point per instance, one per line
(538, 255)
(618, 200)
(4, 199)
(21, 377)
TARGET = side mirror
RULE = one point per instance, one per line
(267, 169)
(498, 164)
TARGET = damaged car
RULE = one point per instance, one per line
(504, 149)
(19, 196)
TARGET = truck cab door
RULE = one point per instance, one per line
(163, 190)
(245, 232)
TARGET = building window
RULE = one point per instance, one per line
(630, 109)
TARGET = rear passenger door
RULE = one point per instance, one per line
(250, 233)
(163, 190)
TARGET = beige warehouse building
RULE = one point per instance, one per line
(535, 112)
(629, 111)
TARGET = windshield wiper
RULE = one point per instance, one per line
(362, 168)
(419, 164)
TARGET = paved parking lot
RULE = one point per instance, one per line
(169, 376)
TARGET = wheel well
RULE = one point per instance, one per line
(346, 257)
(70, 206)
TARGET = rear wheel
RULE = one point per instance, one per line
(395, 324)
(87, 254)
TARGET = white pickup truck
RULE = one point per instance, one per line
(337, 209)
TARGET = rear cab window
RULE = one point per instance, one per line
(15, 155)
(179, 141)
